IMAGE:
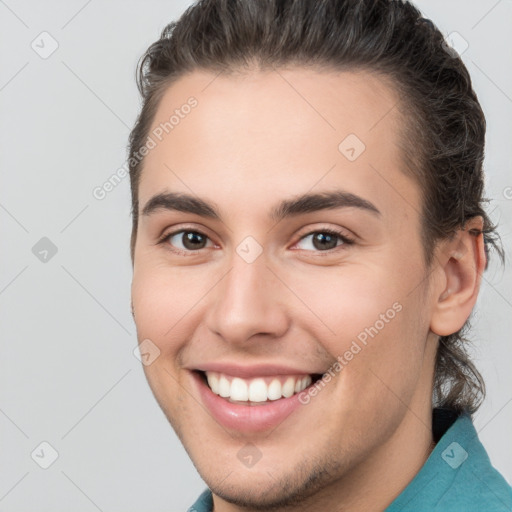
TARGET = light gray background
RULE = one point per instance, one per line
(68, 375)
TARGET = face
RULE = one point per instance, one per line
(306, 260)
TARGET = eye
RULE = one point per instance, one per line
(186, 241)
(189, 241)
(324, 240)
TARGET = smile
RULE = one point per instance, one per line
(251, 401)
(259, 389)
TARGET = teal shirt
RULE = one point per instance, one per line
(457, 477)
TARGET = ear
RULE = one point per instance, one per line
(462, 260)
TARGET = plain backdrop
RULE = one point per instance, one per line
(68, 375)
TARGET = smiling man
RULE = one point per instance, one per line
(308, 243)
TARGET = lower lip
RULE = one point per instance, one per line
(249, 418)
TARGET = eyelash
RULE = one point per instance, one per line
(329, 231)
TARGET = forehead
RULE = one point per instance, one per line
(279, 131)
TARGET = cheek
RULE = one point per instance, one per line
(163, 300)
(344, 302)
(368, 316)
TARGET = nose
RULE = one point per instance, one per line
(248, 302)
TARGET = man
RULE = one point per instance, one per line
(308, 243)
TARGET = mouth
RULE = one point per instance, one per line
(258, 390)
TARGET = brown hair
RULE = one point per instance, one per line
(443, 133)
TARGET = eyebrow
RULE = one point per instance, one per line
(306, 203)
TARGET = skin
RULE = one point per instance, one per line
(253, 140)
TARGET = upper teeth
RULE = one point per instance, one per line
(256, 390)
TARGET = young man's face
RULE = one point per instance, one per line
(271, 300)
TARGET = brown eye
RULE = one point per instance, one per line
(324, 240)
(187, 240)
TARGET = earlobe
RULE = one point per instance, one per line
(463, 262)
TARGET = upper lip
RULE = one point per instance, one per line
(246, 371)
